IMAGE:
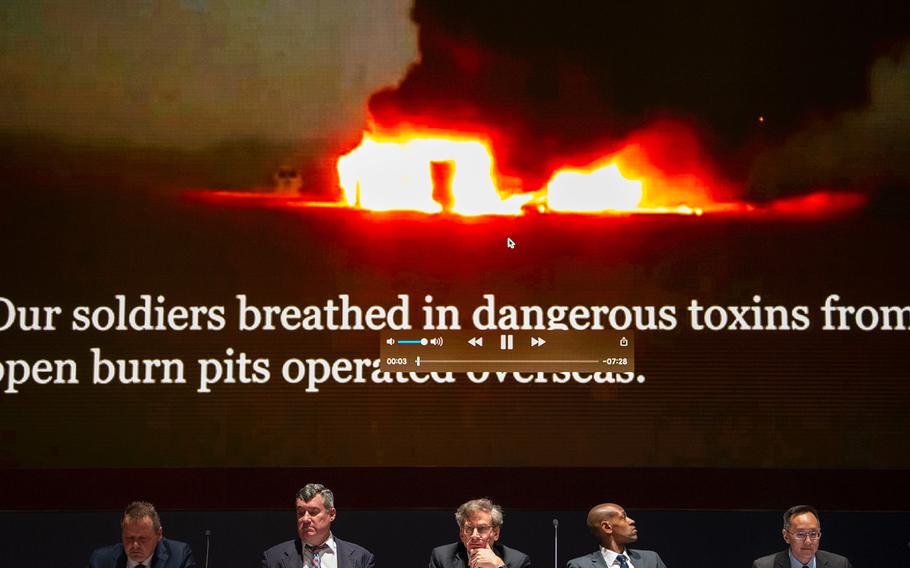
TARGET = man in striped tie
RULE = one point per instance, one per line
(315, 545)
(614, 529)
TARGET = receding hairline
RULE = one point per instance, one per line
(600, 512)
(798, 510)
(139, 510)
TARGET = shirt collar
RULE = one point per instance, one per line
(794, 563)
(329, 542)
(610, 556)
(130, 563)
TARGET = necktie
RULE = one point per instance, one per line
(622, 561)
(315, 550)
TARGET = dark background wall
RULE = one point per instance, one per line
(404, 538)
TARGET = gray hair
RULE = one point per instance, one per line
(479, 505)
(799, 510)
(137, 510)
(311, 490)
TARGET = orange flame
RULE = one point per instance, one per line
(398, 174)
(660, 169)
(602, 189)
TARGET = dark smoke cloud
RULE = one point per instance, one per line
(558, 78)
(865, 148)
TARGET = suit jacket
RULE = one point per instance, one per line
(822, 560)
(168, 554)
(455, 555)
(639, 559)
(290, 555)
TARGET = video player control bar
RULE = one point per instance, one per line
(478, 351)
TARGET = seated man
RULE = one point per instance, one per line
(613, 529)
(143, 544)
(803, 532)
(315, 545)
(479, 522)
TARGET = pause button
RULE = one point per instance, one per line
(506, 342)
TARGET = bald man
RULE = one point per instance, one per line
(614, 529)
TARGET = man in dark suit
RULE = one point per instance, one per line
(315, 545)
(143, 544)
(614, 529)
(803, 532)
(479, 522)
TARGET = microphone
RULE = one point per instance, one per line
(208, 543)
(555, 543)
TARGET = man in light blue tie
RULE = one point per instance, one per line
(614, 529)
(802, 532)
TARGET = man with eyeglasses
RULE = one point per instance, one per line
(614, 529)
(315, 545)
(802, 531)
(142, 543)
(479, 521)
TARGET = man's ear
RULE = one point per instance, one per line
(786, 535)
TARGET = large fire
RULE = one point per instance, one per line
(433, 172)
(658, 170)
(424, 174)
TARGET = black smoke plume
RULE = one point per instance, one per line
(554, 79)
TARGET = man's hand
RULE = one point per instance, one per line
(485, 558)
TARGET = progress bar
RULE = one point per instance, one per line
(478, 351)
(420, 361)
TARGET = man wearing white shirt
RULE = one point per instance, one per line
(614, 529)
(315, 545)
